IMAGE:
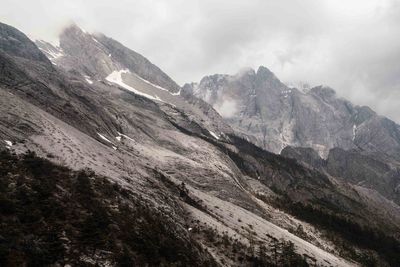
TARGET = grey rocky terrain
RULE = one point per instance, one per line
(272, 115)
(312, 125)
(93, 103)
(378, 173)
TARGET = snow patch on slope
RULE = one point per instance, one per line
(88, 80)
(125, 136)
(94, 39)
(106, 139)
(9, 143)
(116, 77)
(354, 132)
(177, 93)
(214, 135)
(157, 86)
(53, 53)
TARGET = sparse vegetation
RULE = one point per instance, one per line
(341, 227)
(50, 214)
(275, 253)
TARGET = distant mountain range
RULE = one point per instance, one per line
(272, 115)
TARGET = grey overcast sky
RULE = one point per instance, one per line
(352, 46)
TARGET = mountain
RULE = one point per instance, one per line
(311, 125)
(105, 162)
(101, 55)
(272, 115)
(99, 59)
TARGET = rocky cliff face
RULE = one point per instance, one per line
(223, 198)
(273, 116)
(96, 56)
(369, 170)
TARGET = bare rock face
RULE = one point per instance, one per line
(365, 170)
(370, 170)
(16, 43)
(305, 155)
(97, 55)
(84, 48)
(137, 63)
(273, 116)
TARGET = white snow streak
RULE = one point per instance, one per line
(127, 137)
(354, 131)
(94, 39)
(104, 138)
(157, 86)
(214, 135)
(177, 93)
(89, 81)
(116, 77)
(53, 53)
(9, 143)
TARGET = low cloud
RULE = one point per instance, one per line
(227, 108)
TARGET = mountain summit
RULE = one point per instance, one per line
(97, 55)
(273, 116)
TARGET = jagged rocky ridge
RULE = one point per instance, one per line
(273, 116)
(148, 139)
